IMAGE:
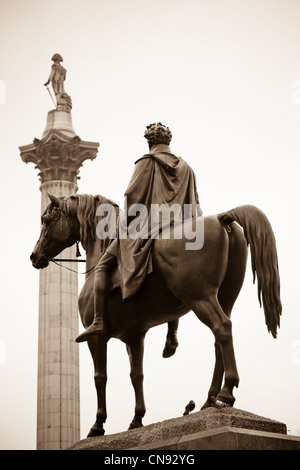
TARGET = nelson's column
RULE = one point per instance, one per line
(58, 155)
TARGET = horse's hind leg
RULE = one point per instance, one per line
(227, 295)
(135, 350)
(211, 314)
(98, 348)
(217, 379)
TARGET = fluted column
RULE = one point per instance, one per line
(58, 405)
(58, 157)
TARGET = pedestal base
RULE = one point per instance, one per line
(59, 120)
(210, 429)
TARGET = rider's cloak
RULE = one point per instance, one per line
(159, 177)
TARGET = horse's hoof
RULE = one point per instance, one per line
(218, 403)
(207, 404)
(226, 398)
(96, 430)
(135, 424)
(170, 349)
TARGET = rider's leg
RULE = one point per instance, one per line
(101, 292)
(171, 340)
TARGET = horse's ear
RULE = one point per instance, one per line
(54, 199)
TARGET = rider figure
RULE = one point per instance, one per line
(161, 161)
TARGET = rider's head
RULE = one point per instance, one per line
(157, 134)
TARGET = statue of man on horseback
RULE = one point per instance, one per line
(159, 178)
(162, 278)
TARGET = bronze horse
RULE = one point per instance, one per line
(206, 281)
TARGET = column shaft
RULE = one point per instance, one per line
(58, 411)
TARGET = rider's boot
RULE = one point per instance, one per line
(96, 328)
(100, 305)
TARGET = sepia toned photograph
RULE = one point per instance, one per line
(149, 239)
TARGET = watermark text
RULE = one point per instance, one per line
(2, 92)
(2, 353)
(160, 221)
(296, 352)
(296, 92)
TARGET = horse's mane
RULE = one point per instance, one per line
(86, 214)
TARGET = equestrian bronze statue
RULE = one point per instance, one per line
(174, 279)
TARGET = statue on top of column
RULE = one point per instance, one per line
(57, 77)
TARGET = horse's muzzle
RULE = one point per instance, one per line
(38, 262)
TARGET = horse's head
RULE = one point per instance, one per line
(60, 229)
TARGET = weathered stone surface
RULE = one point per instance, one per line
(231, 438)
(168, 434)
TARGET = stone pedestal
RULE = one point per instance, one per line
(210, 429)
(58, 157)
(59, 120)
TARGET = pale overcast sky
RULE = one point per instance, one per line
(224, 75)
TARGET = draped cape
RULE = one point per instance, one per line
(159, 177)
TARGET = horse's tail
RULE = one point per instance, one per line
(259, 235)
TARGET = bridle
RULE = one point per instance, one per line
(74, 234)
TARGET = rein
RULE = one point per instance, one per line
(56, 261)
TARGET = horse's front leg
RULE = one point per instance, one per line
(171, 340)
(135, 350)
(98, 348)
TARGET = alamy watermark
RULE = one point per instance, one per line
(161, 221)
(2, 92)
(296, 352)
(2, 353)
(296, 92)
